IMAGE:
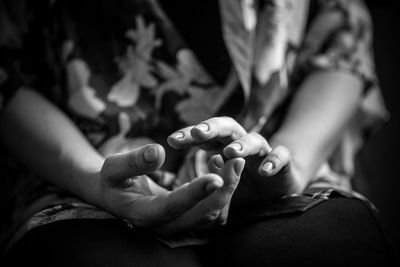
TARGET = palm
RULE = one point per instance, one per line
(130, 200)
(128, 193)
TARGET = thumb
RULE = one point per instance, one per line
(140, 161)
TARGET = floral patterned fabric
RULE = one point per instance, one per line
(126, 75)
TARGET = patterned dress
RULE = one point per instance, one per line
(130, 72)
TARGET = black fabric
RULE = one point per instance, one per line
(96, 243)
(338, 232)
(10, 80)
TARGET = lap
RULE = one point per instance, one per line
(338, 231)
(90, 242)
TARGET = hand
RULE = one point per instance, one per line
(272, 170)
(129, 193)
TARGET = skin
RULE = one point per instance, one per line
(288, 162)
(46, 141)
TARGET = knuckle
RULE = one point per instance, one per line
(229, 119)
(286, 151)
(282, 153)
(258, 143)
(224, 120)
(283, 150)
(256, 136)
(255, 139)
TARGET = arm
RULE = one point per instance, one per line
(319, 114)
(47, 142)
(44, 139)
(338, 41)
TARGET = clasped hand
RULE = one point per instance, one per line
(129, 193)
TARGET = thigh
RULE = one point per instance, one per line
(339, 231)
(95, 243)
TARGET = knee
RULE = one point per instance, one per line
(339, 231)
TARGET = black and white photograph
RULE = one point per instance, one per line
(199, 133)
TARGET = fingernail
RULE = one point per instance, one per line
(151, 154)
(211, 187)
(219, 162)
(178, 135)
(267, 167)
(238, 167)
(236, 146)
(203, 127)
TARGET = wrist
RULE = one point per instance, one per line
(89, 188)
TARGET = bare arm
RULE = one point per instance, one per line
(44, 139)
(48, 143)
(319, 114)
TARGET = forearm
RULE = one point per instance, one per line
(319, 114)
(47, 142)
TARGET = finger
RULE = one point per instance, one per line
(248, 145)
(181, 138)
(223, 129)
(166, 207)
(230, 172)
(208, 211)
(143, 160)
(215, 164)
(164, 178)
(155, 188)
(277, 160)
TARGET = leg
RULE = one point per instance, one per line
(340, 231)
(95, 243)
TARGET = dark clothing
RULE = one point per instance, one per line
(337, 232)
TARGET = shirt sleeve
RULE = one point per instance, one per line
(339, 37)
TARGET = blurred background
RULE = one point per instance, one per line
(380, 159)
